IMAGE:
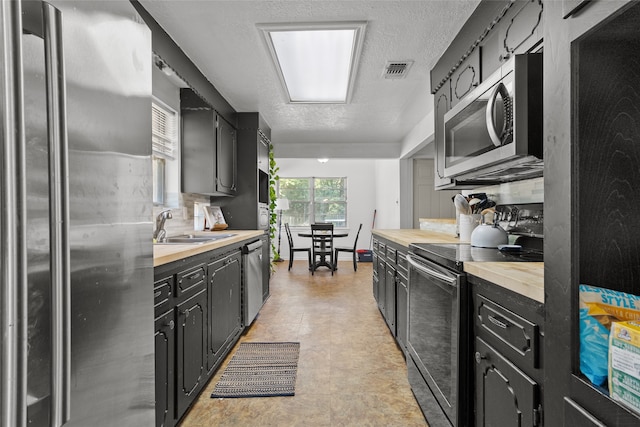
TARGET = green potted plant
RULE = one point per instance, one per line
(273, 195)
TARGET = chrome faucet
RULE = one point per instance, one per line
(160, 234)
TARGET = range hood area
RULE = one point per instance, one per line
(517, 169)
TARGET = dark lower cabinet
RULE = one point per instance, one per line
(507, 363)
(402, 301)
(390, 286)
(382, 287)
(165, 355)
(191, 335)
(266, 266)
(198, 308)
(576, 416)
(390, 298)
(505, 396)
(376, 280)
(225, 304)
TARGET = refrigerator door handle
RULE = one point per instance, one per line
(13, 250)
(58, 217)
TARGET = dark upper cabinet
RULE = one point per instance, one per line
(521, 28)
(465, 78)
(495, 31)
(226, 156)
(263, 153)
(442, 104)
(490, 54)
(209, 148)
(248, 210)
(504, 395)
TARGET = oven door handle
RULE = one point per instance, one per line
(424, 269)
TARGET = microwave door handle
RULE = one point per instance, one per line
(500, 89)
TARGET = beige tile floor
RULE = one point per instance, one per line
(350, 371)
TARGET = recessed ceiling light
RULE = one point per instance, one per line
(323, 160)
(316, 62)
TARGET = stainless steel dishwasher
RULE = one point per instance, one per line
(251, 281)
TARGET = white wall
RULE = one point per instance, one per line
(361, 196)
(387, 187)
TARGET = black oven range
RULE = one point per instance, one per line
(439, 322)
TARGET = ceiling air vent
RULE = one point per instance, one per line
(397, 69)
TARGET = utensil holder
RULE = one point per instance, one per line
(467, 224)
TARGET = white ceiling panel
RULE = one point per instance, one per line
(221, 38)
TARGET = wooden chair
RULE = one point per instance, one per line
(352, 250)
(293, 250)
(322, 246)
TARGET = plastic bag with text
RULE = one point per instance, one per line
(598, 308)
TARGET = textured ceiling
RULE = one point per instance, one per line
(221, 38)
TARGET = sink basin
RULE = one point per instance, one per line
(193, 239)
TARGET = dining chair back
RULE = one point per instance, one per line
(322, 246)
(351, 249)
(293, 249)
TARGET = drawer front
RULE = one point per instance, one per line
(162, 293)
(375, 264)
(403, 264)
(382, 249)
(192, 279)
(391, 255)
(516, 336)
(375, 245)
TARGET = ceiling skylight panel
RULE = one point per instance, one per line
(316, 63)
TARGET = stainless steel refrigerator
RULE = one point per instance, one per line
(76, 257)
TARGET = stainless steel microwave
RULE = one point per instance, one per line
(495, 133)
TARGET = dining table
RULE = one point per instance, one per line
(323, 262)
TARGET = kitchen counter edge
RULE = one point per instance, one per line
(164, 254)
(525, 278)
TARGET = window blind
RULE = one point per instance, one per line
(163, 130)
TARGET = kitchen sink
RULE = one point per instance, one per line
(193, 239)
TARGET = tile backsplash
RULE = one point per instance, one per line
(182, 221)
(526, 191)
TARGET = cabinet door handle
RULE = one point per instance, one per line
(497, 322)
(171, 324)
(479, 357)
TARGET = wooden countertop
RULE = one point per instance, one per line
(163, 254)
(406, 236)
(525, 278)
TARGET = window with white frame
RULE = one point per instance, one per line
(314, 200)
(165, 151)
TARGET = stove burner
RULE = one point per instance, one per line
(524, 255)
(453, 255)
